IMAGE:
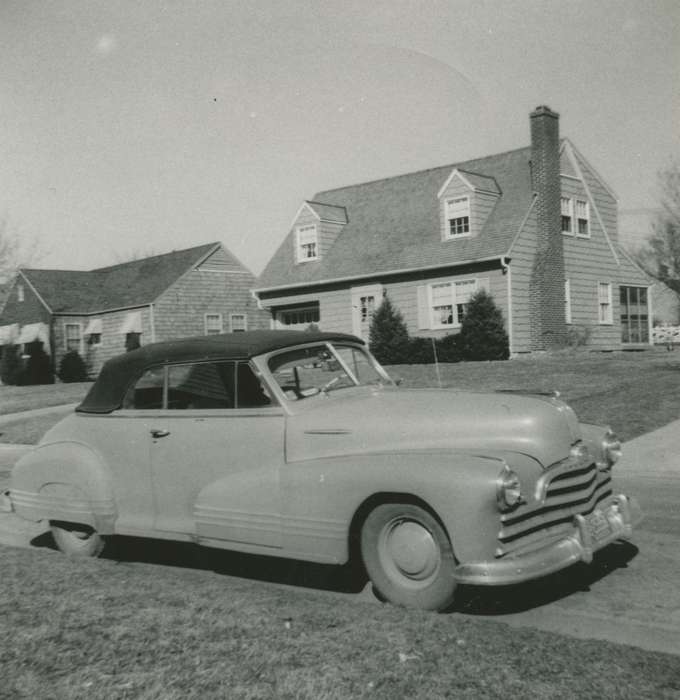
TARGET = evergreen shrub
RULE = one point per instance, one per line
(10, 365)
(482, 333)
(72, 368)
(388, 335)
(38, 369)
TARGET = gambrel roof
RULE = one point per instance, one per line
(394, 224)
(125, 285)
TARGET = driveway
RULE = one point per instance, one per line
(629, 594)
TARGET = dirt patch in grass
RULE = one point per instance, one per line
(101, 629)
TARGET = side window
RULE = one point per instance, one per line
(147, 392)
(250, 392)
(201, 385)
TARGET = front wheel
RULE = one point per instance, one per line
(76, 539)
(408, 556)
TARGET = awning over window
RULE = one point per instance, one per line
(32, 332)
(9, 334)
(94, 326)
(132, 323)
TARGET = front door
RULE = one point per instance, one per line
(365, 301)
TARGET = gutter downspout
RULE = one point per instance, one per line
(508, 272)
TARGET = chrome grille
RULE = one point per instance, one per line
(564, 491)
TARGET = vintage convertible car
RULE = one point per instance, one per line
(299, 445)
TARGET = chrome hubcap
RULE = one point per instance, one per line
(408, 548)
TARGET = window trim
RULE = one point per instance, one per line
(577, 220)
(448, 218)
(80, 335)
(607, 306)
(206, 330)
(568, 215)
(231, 323)
(452, 284)
(298, 245)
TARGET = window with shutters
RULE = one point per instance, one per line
(567, 208)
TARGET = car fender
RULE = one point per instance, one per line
(321, 498)
(64, 481)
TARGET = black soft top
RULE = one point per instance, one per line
(107, 393)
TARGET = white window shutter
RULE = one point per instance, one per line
(423, 308)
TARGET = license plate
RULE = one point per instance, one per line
(598, 526)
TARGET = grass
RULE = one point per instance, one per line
(100, 629)
(633, 393)
(24, 398)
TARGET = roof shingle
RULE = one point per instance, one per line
(393, 224)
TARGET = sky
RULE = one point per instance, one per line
(131, 128)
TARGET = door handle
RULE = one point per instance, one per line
(159, 433)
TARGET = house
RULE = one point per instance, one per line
(536, 227)
(100, 313)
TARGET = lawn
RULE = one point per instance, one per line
(23, 398)
(101, 629)
(633, 392)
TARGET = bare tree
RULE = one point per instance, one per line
(660, 255)
(16, 250)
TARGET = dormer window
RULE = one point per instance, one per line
(307, 243)
(458, 217)
(582, 218)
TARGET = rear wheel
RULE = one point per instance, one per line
(76, 539)
(408, 556)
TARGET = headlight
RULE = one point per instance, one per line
(508, 489)
(611, 448)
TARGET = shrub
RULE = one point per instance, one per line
(388, 335)
(10, 365)
(482, 333)
(72, 368)
(38, 369)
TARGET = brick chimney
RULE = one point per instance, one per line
(548, 328)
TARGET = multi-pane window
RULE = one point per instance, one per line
(604, 300)
(238, 323)
(567, 301)
(582, 218)
(449, 302)
(73, 337)
(213, 324)
(458, 216)
(307, 243)
(567, 214)
(634, 314)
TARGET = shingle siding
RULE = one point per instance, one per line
(30, 310)
(180, 311)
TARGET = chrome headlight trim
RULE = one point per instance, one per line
(508, 489)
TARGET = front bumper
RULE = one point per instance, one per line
(590, 533)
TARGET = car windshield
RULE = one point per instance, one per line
(312, 370)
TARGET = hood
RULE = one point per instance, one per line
(359, 421)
